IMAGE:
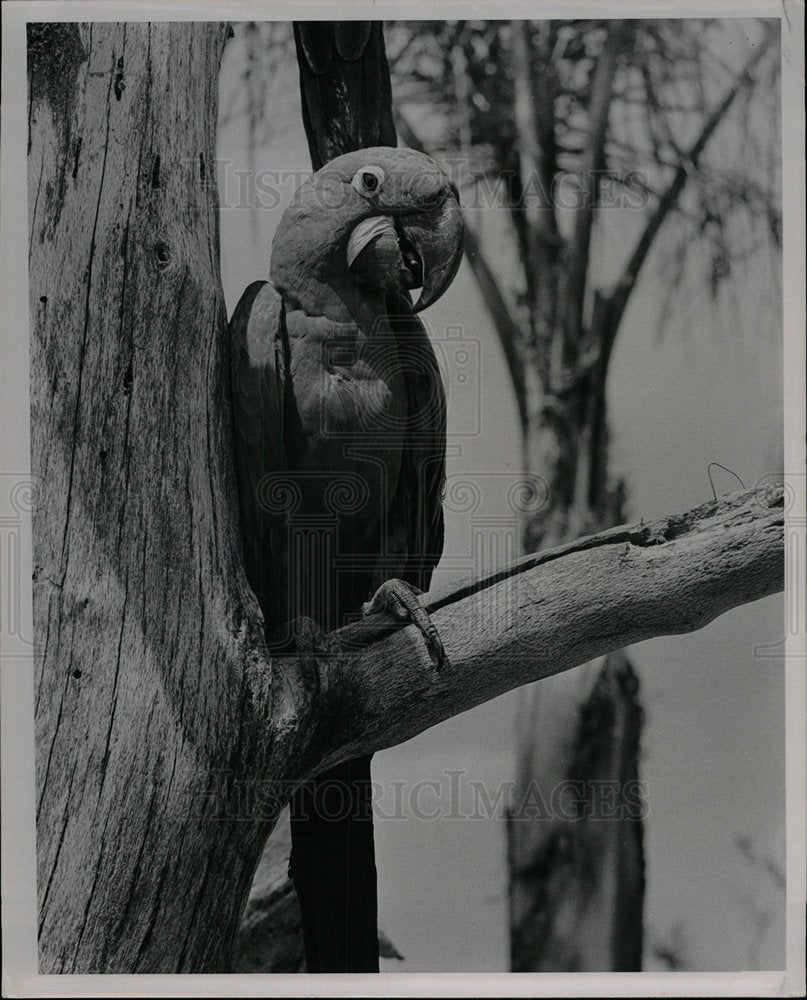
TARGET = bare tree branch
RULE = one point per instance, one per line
(592, 163)
(614, 306)
(533, 212)
(505, 324)
(549, 613)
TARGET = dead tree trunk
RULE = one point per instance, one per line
(138, 591)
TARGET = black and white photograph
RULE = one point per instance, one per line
(402, 499)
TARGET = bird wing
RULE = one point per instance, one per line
(345, 87)
(264, 428)
(417, 518)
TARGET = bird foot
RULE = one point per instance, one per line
(402, 601)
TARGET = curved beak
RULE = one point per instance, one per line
(436, 236)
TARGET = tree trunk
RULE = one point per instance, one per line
(578, 906)
(577, 867)
(576, 883)
(137, 588)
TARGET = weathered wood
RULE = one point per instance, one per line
(550, 612)
(138, 589)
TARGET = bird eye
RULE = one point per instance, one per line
(368, 180)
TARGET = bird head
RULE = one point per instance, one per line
(382, 219)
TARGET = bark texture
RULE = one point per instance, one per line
(557, 609)
(138, 592)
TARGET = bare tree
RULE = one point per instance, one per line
(167, 738)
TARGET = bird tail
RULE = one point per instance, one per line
(332, 865)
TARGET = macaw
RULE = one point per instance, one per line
(340, 420)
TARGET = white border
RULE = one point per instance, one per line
(18, 835)
(795, 415)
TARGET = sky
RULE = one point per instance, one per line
(700, 389)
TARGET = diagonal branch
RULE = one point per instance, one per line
(614, 306)
(504, 322)
(546, 614)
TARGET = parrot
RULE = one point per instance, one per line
(340, 439)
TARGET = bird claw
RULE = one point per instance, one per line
(401, 600)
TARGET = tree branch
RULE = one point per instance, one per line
(548, 613)
(533, 211)
(533, 108)
(592, 163)
(503, 321)
(615, 305)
